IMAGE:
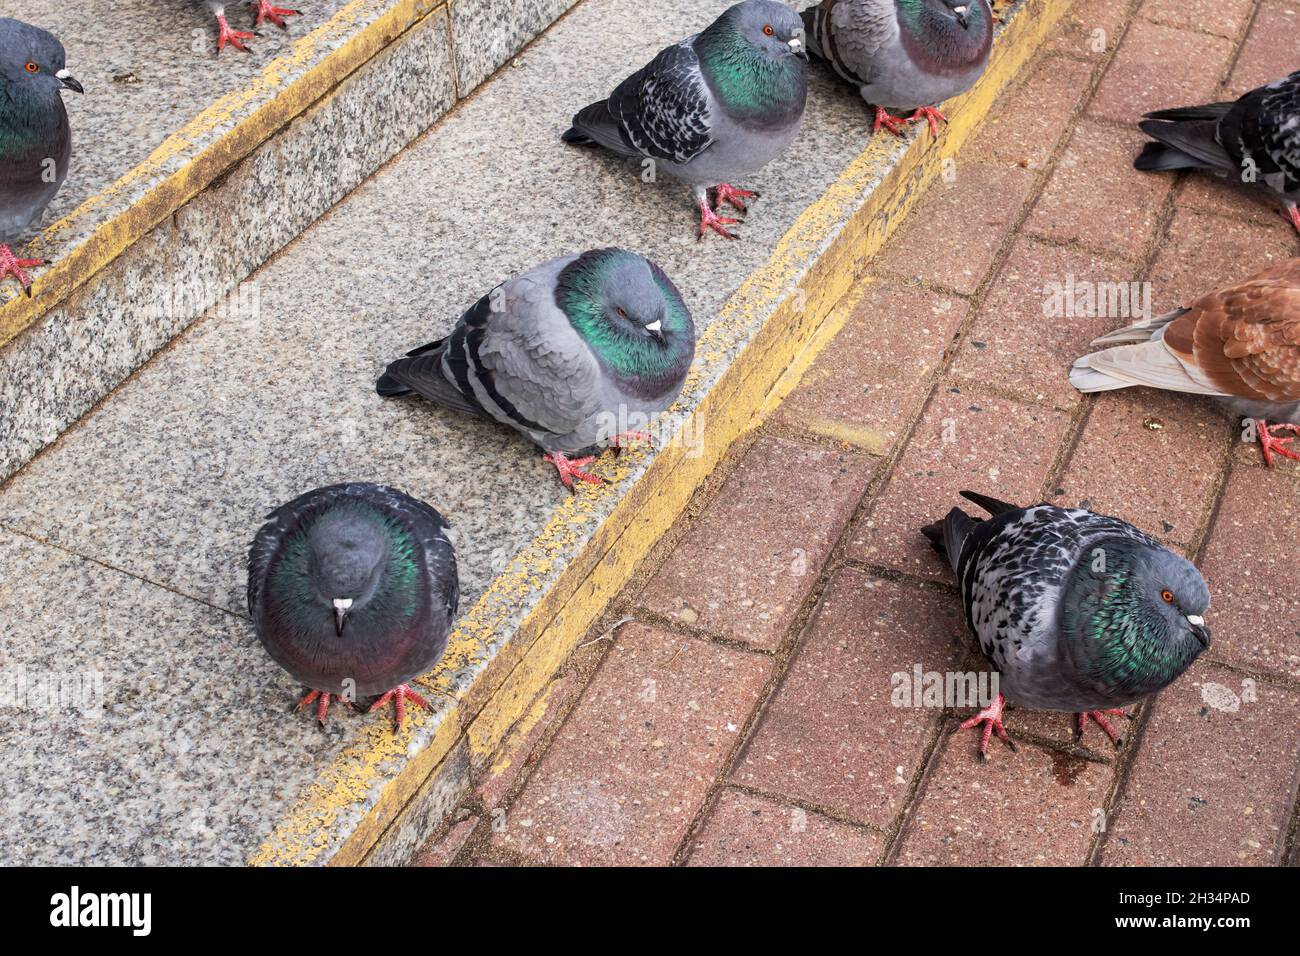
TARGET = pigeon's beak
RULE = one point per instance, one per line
(1199, 630)
(656, 330)
(69, 81)
(341, 608)
(960, 14)
(798, 47)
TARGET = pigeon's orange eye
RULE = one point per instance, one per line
(1167, 596)
(622, 312)
(33, 68)
(768, 31)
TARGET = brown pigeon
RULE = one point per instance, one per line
(1240, 345)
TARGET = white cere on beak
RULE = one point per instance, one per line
(960, 11)
(63, 74)
(655, 326)
(343, 604)
(796, 44)
(1196, 620)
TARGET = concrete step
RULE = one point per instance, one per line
(123, 545)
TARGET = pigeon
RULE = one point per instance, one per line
(714, 108)
(1257, 138)
(352, 590)
(1240, 345)
(903, 54)
(35, 138)
(1075, 611)
(568, 354)
(265, 11)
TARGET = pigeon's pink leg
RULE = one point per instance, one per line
(931, 116)
(711, 220)
(891, 123)
(275, 14)
(571, 468)
(399, 695)
(1080, 720)
(991, 718)
(733, 197)
(322, 705)
(1294, 212)
(1270, 442)
(235, 38)
(626, 438)
(11, 265)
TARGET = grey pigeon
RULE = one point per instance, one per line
(35, 138)
(1239, 345)
(1256, 138)
(903, 54)
(265, 11)
(714, 108)
(1076, 611)
(352, 590)
(569, 354)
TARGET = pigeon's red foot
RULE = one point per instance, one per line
(733, 197)
(11, 265)
(889, 122)
(571, 468)
(275, 14)
(1270, 442)
(931, 116)
(399, 695)
(625, 439)
(1081, 720)
(1293, 213)
(235, 38)
(322, 700)
(991, 718)
(711, 220)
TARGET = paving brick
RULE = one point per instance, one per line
(1250, 566)
(1224, 18)
(1033, 807)
(1157, 67)
(965, 440)
(1221, 196)
(742, 574)
(1201, 253)
(748, 830)
(634, 762)
(499, 778)
(1026, 126)
(1087, 23)
(1269, 52)
(959, 225)
(868, 384)
(1152, 458)
(442, 851)
(1096, 197)
(1020, 341)
(1214, 780)
(831, 736)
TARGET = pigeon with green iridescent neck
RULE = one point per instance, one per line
(1076, 611)
(577, 354)
(35, 137)
(903, 54)
(265, 10)
(352, 590)
(714, 108)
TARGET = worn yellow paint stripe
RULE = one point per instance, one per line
(189, 160)
(803, 318)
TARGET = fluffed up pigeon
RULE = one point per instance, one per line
(1077, 612)
(352, 590)
(35, 138)
(1256, 139)
(903, 54)
(1239, 345)
(714, 108)
(568, 354)
(265, 11)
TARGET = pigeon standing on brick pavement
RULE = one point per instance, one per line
(352, 590)
(1256, 139)
(568, 354)
(714, 108)
(265, 11)
(903, 54)
(1240, 345)
(1076, 611)
(35, 137)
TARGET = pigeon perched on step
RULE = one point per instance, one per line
(1075, 611)
(1255, 139)
(570, 354)
(265, 11)
(714, 108)
(352, 590)
(903, 54)
(35, 138)
(1240, 345)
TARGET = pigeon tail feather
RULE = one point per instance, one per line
(948, 536)
(1184, 145)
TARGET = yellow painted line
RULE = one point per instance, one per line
(793, 322)
(189, 160)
